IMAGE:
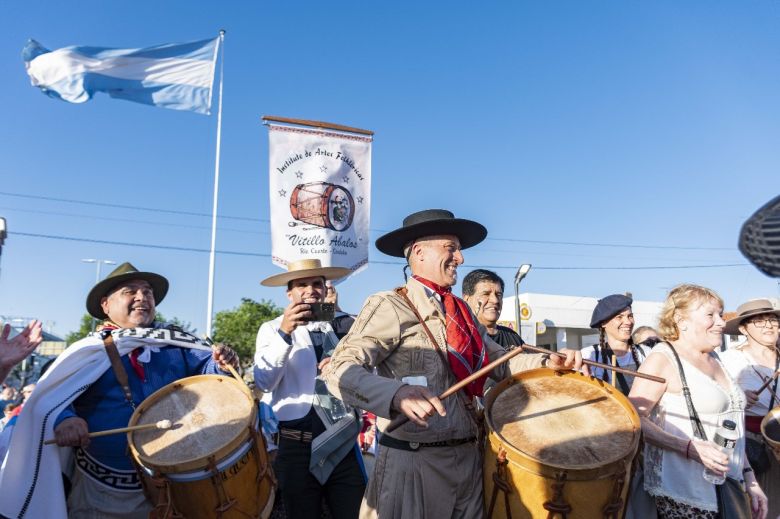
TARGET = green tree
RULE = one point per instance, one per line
(238, 327)
(84, 328)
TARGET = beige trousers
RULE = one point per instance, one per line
(91, 500)
(431, 483)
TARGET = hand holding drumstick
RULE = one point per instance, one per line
(424, 403)
(162, 424)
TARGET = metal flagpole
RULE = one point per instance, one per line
(210, 304)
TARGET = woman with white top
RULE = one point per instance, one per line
(751, 363)
(675, 457)
(614, 320)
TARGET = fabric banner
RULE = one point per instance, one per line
(177, 75)
(320, 189)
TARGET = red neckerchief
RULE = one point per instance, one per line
(138, 368)
(465, 350)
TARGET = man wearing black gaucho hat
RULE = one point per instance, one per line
(95, 385)
(420, 338)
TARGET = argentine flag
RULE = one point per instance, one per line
(175, 75)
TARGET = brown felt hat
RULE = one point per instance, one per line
(124, 272)
(305, 268)
(747, 310)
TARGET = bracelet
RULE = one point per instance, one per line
(687, 449)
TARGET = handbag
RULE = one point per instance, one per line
(756, 453)
(733, 501)
(641, 504)
(755, 450)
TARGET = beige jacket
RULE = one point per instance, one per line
(387, 336)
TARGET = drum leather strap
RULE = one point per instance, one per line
(500, 483)
(116, 364)
(467, 403)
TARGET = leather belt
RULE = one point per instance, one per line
(395, 443)
(293, 434)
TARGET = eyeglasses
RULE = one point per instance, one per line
(650, 342)
(761, 323)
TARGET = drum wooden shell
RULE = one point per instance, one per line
(560, 444)
(770, 430)
(213, 461)
(323, 204)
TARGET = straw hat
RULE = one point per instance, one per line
(746, 311)
(431, 222)
(305, 268)
(124, 272)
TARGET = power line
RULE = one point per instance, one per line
(128, 220)
(249, 219)
(131, 207)
(482, 250)
(381, 262)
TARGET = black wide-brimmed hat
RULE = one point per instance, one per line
(124, 272)
(609, 307)
(747, 310)
(431, 222)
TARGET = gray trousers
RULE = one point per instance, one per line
(431, 483)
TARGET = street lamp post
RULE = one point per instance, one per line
(521, 273)
(3, 234)
(98, 263)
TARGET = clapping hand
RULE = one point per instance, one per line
(13, 351)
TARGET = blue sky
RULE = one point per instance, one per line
(648, 125)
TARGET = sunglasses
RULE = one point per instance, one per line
(650, 341)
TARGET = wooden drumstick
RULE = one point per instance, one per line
(399, 420)
(162, 424)
(625, 371)
(767, 382)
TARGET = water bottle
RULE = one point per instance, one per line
(725, 438)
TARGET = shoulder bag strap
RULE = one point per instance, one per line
(401, 291)
(774, 390)
(621, 379)
(698, 429)
(119, 370)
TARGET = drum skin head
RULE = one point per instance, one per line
(211, 416)
(565, 421)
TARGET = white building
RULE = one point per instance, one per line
(559, 322)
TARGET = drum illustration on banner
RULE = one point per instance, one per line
(322, 204)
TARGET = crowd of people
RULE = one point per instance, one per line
(334, 387)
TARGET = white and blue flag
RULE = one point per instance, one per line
(174, 75)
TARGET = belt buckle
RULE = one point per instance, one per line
(414, 445)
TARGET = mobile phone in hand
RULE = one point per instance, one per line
(322, 311)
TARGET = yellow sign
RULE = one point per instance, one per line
(540, 328)
(525, 311)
